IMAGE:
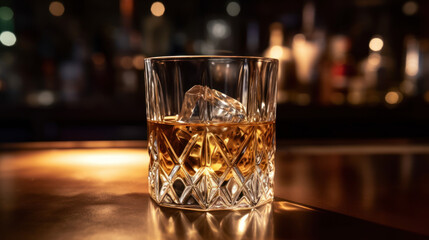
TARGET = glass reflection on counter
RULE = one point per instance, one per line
(169, 223)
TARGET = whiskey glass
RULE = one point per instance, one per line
(211, 131)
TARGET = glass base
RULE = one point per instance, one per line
(214, 208)
(206, 193)
(172, 223)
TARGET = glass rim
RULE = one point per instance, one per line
(209, 57)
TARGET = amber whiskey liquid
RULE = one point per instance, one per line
(210, 166)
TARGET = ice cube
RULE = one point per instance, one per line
(202, 104)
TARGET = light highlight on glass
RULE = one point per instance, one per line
(56, 8)
(233, 9)
(6, 13)
(8, 38)
(376, 44)
(157, 9)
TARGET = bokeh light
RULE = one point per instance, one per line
(157, 9)
(45, 98)
(355, 98)
(276, 52)
(6, 13)
(138, 62)
(374, 60)
(233, 9)
(98, 59)
(126, 62)
(218, 29)
(376, 44)
(412, 58)
(393, 97)
(412, 64)
(410, 8)
(56, 8)
(8, 38)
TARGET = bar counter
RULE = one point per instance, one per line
(98, 190)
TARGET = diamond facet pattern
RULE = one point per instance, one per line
(222, 166)
(211, 130)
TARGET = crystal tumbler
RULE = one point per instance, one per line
(211, 131)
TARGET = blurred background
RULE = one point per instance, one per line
(73, 69)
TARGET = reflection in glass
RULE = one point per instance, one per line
(166, 223)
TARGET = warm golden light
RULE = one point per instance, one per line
(412, 57)
(412, 64)
(287, 206)
(157, 9)
(243, 223)
(376, 44)
(56, 8)
(138, 62)
(116, 170)
(256, 223)
(276, 52)
(374, 60)
(306, 54)
(393, 97)
(101, 157)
